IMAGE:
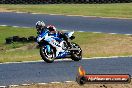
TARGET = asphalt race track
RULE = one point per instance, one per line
(35, 72)
(91, 24)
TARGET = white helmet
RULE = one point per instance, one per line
(40, 25)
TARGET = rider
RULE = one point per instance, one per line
(40, 26)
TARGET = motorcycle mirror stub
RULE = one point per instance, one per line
(72, 37)
(70, 34)
(83, 78)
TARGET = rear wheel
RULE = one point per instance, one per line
(46, 55)
(76, 55)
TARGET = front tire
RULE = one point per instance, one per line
(46, 56)
(76, 55)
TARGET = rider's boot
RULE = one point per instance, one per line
(69, 44)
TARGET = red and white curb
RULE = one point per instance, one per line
(35, 84)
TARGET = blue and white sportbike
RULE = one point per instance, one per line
(51, 48)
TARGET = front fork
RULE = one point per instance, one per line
(48, 48)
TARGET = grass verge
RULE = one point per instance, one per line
(105, 10)
(92, 44)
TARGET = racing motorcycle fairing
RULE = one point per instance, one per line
(53, 45)
(51, 40)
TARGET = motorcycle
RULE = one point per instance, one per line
(49, 47)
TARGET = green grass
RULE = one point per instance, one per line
(101, 45)
(11, 52)
(11, 31)
(19, 55)
(92, 44)
(105, 10)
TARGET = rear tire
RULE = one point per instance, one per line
(76, 55)
(47, 57)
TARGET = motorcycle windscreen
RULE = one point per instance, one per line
(42, 35)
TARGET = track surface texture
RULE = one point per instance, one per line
(35, 72)
(77, 23)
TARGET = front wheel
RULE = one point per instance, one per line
(76, 55)
(47, 56)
